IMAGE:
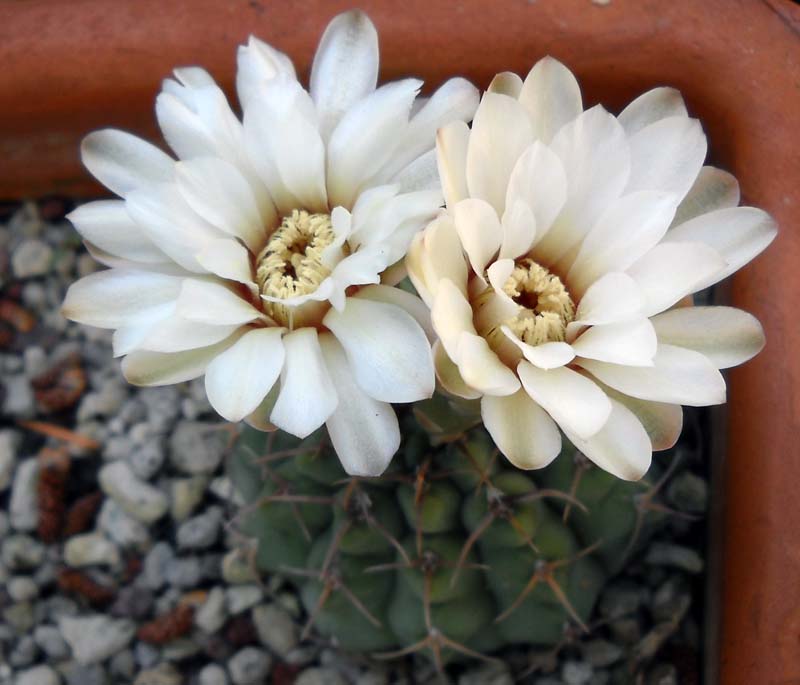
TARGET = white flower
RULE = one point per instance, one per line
(262, 257)
(559, 274)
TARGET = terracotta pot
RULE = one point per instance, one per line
(70, 67)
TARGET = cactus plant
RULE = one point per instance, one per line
(452, 552)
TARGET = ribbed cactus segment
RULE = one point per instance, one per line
(452, 551)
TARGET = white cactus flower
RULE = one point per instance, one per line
(558, 276)
(262, 257)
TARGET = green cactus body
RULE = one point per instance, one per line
(452, 551)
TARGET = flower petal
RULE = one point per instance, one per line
(574, 401)
(364, 431)
(257, 64)
(500, 133)
(213, 303)
(345, 67)
(122, 162)
(678, 376)
(409, 303)
(521, 429)
(726, 336)
(479, 230)
(519, 230)
(240, 377)
(176, 334)
(712, 189)
(437, 254)
(650, 107)
(611, 298)
(388, 350)
(451, 315)
(738, 234)
(227, 259)
(307, 396)
(548, 355)
(452, 141)
(449, 376)
(552, 97)
(631, 343)
(481, 368)
(621, 447)
(670, 271)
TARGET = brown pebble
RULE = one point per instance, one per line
(80, 516)
(168, 627)
(75, 582)
(54, 465)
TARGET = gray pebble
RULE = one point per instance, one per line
(21, 553)
(186, 494)
(38, 675)
(213, 613)
(163, 674)
(23, 507)
(156, 564)
(132, 602)
(487, 674)
(96, 637)
(58, 606)
(122, 528)
(677, 556)
(9, 441)
(146, 459)
(103, 402)
(601, 653)
(236, 567)
(242, 597)
(200, 531)
(276, 629)
(181, 649)
(19, 401)
(31, 258)
(19, 617)
(197, 447)
(250, 666)
(22, 588)
(576, 673)
(213, 675)
(49, 640)
(117, 447)
(320, 676)
(184, 572)
(140, 499)
(122, 665)
(146, 655)
(24, 652)
(84, 674)
(91, 549)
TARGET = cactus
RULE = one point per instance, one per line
(452, 552)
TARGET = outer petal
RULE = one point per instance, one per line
(631, 343)
(213, 303)
(611, 298)
(451, 316)
(621, 447)
(650, 107)
(175, 334)
(739, 234)
(122, 162)
(500, 133)
(452, 141)
(549, 355)
(678, 376)
(481, 368)
(307, 396)
(663, 422)
(388, 350)
(522, 430)
(364, 431)
(409, 303)
(449, 375)
(227, 259)
(241, 376)
(506, 83)
(439, 256)
(552, 97)
(726, 336)
(345, 67)
(257, 64)
(574, 401)
(712, 189)
(479, 231)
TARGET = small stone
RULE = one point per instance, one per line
(133, 602)
(200, 531)
(185, 572)
(237, 569)
(146, 460)
(96, 637)
(275, 629)
(24, 509)
(91, 549)
(49, 640)
(621, 599)
(9, 441)
(24, 652)
(122, 528)
(601, 653)
(140, 499)
(163, 674)
(156, 565)
(197, 447)
(222, 487)
(576, 673)
(677, 556)
(213, 675)
(211, 616)
(104, 402)
(122, 666)
(181, 649)
(21, 553)
(488, 674)
(187, 493)
(84, 674)
(19, 617)
(663, 674)
(58, 606)
(320, 676)
(117, 447)
(250, 666)
(31, 258)
(242, 597)
(38, 675)
(146, 655)
(688, 492)
(19, 401)
(22, 588)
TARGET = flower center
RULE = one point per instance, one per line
(548, 308)
(291, 263)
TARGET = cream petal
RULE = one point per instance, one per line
(574, 401)
(421, 174)
(506, 83)
(631, 343)
(670, 271)
(551, 96)
(712, 189)
(650, 107)
(122, 162)
(259, 417)
(451, 316)
(611, 298)
(726, 336)
(519, 230)
(130, 336)
(479, 231)
(550, 355)
(217, 191)
(678, 376)
(667, 155)
(449, 376)
(176, 334)
(481, 368)
(227, 259)
(738, 234)
(257, 64)
(307, 396)
(521, 429)
(593, 150)
(157, 368)
(538, 180)
(629, 228)
(409, 303)
(182, 128)
(364, 431)
(442, 256)
(366, 138)
(117, 297)
(345, 67)
(621, 447)
(412, 265)
(452, 141)
(169, 268)
(107, 225)
(213, 303)
(388, 350)
(239, 378)
(501, 131)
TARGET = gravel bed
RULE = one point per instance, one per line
(118, 563)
